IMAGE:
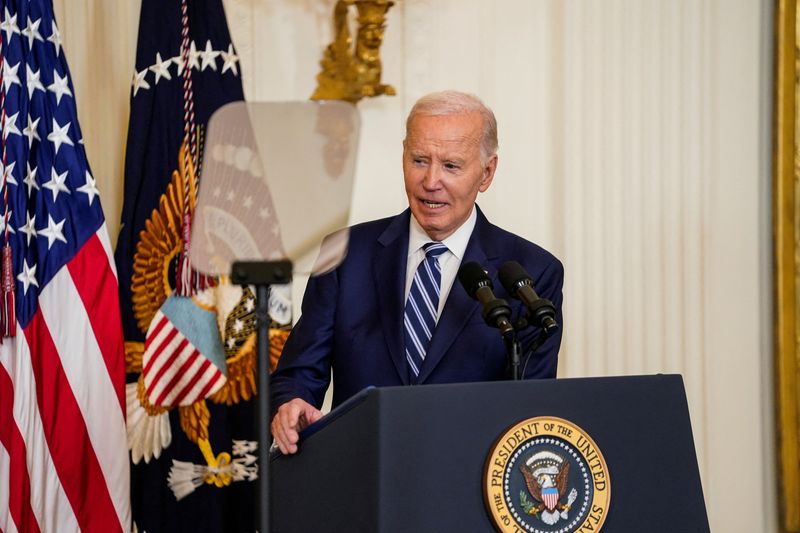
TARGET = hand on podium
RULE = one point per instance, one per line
(292, 418)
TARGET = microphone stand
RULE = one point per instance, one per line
(494, 313)
(514, 353)
(262, 274)
(514, 347)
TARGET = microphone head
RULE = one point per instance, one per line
(472, 277)
(512, 275)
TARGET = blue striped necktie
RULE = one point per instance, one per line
(422, 307)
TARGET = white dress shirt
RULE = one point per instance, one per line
(449, 261)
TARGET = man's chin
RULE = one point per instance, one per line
(435, 229)
(434, 222)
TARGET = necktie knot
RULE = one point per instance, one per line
(434, 249)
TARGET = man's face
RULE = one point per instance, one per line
(443, 170)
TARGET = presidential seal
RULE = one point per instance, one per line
(546, 475)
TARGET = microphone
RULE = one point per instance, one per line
(519, 284)
(476, 282)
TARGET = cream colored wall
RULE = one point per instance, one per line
(634, 145)
(100, 43)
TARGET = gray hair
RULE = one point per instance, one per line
(456, 103)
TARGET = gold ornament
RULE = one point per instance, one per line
(134, 351)
(351, 75)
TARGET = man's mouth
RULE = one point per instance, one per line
(433, 205)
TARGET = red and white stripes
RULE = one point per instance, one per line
(63, 451)
(175, 371)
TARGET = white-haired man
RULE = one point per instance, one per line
(389, 314)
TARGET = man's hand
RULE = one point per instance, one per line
(291, 418)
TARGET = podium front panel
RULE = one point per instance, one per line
(413, 458)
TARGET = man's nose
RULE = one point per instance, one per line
(432, 178)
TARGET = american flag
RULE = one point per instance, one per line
(63, 453)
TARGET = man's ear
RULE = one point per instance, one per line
(488, 173)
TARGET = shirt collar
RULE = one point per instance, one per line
(456, 243)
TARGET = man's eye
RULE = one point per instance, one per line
(451, 166)
(419, 161)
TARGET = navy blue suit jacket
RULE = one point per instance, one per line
(352, 318)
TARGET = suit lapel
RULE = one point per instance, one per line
(389, 274)
(459, 306)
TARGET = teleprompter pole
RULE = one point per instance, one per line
(262, 274)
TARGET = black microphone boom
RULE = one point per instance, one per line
(476, 282)
(519, 284)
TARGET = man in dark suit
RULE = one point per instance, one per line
(390, 313)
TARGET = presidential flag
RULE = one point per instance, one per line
(191, 425)
(63, 463)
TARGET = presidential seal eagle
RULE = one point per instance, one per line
(546, 478)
